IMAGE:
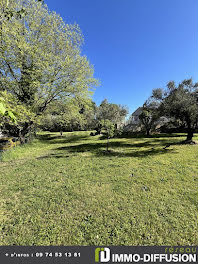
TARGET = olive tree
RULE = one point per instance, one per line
(149, 115)
(181, 102)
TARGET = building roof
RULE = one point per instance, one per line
(137, 111)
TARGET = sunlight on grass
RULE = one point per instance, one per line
(69, 191)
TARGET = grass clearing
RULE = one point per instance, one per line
(69, 191)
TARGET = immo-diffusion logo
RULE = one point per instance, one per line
(102, 255)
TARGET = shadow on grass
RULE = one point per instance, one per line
(161, 135)
(49, 139)
(57, 156)
(99, 149)
(151, 146)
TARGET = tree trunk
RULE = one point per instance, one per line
(107, 143)
(21, 138)
(148, 132)
(25, 131)
(190, 135)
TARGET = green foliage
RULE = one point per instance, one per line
(157, 94)
(112, 112)
(149, 115)
(181, 102)
(5, 108)
(109, 127)
(2, 109)
(146, 119)
(16, 115)
(69, 115)
(40, 57)
(45, 61)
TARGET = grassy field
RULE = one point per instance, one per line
(69, 191)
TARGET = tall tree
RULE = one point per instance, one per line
(40, 55)
(181, 102)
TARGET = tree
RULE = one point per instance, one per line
(15, 117)
(110, 130)
(147, 120)
(69, 115)
(149, 115)
(181, 102)
(88, 112)
(40, 56)
(112, 112)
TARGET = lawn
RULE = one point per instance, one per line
(69, 191)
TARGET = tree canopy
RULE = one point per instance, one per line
(40, 56)
(181, 102)
(69, 115)
(112, 112)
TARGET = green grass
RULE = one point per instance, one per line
(69, 191)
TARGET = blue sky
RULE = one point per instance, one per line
(135, 45)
